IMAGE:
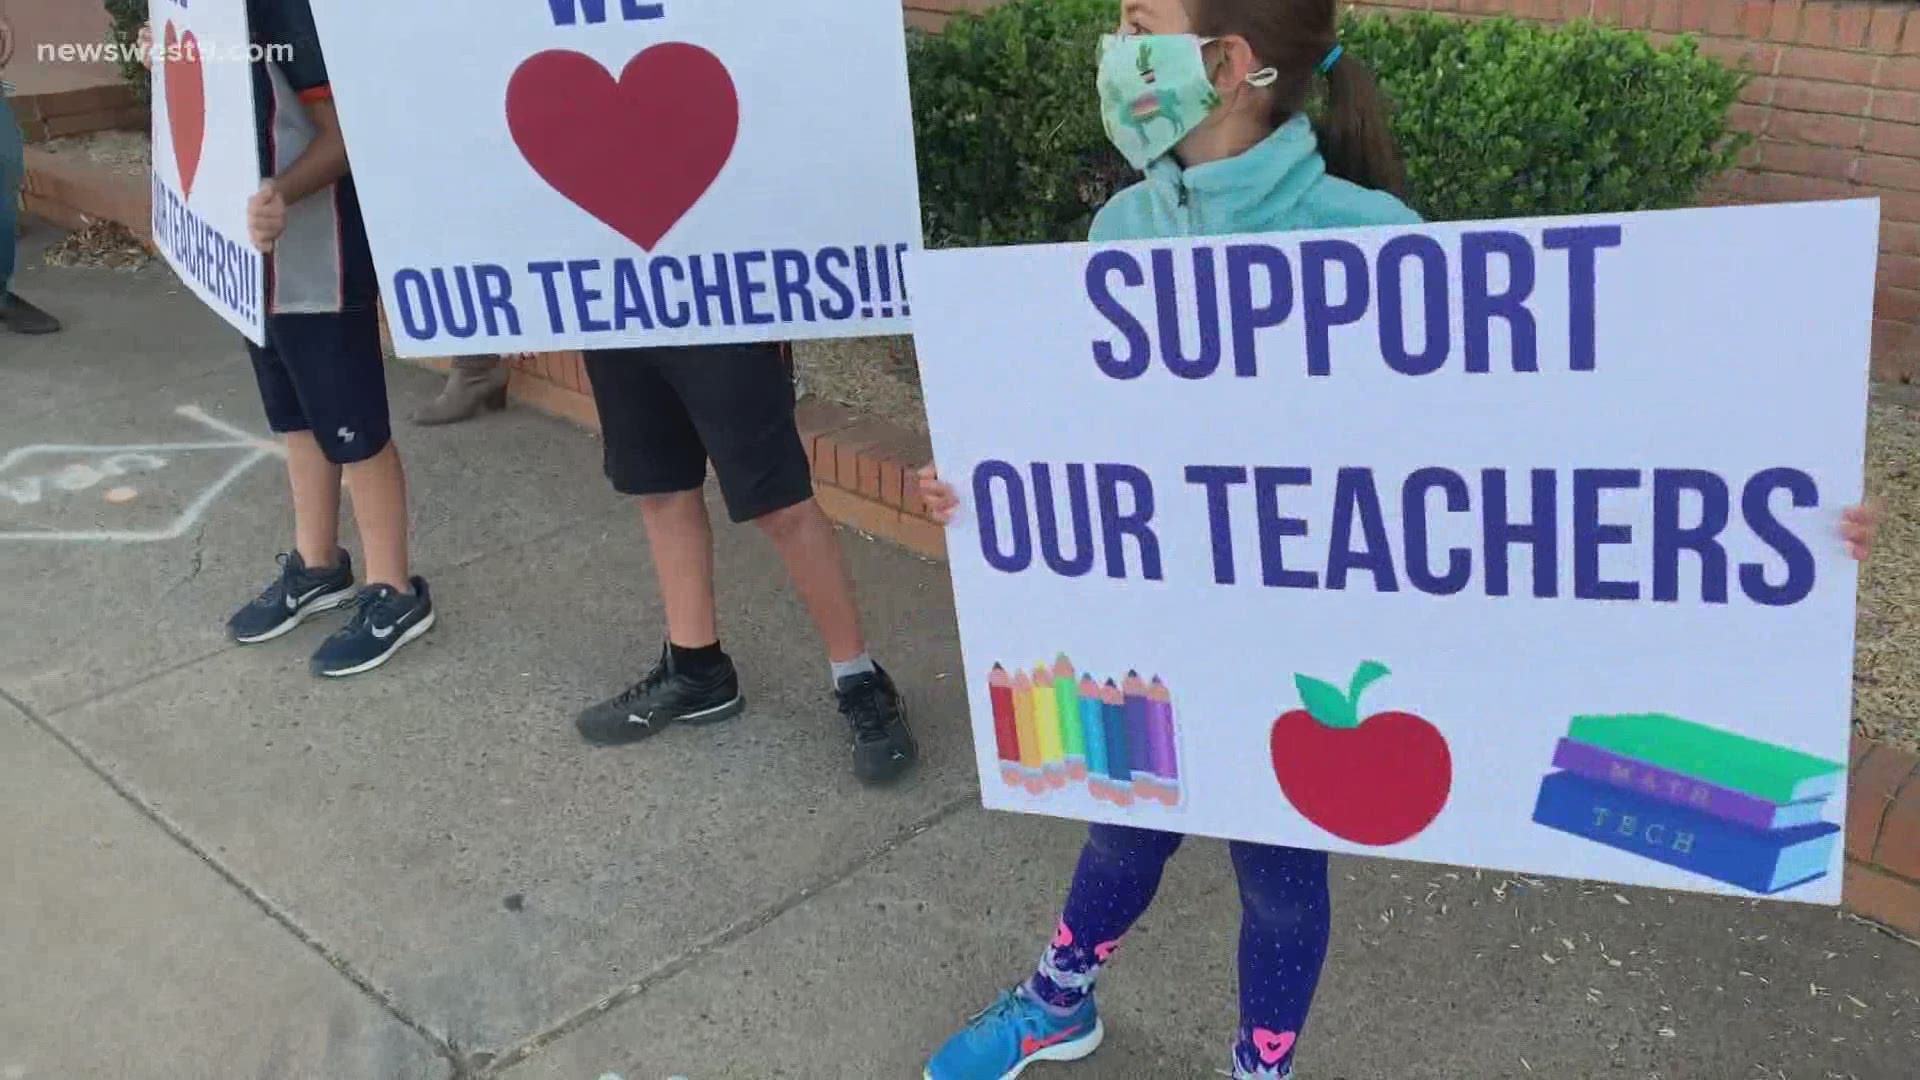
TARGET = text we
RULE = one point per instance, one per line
(594, 12)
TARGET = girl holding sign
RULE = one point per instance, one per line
(1207, 97)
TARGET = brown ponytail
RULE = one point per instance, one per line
(1294, 37)
(1356, 138)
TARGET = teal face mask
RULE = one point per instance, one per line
(1154, 90)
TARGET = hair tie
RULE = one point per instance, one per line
(1332, 57)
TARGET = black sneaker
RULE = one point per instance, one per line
(883, 747)
(666, 696)
(21, 317)
(383, 620)
(296, 594)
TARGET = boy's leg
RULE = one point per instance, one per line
(680, 537)
(336, 365)
(379, 489)
(740, 399)
(315, 482)
(808, 546)
(317, 575)
(654, 454)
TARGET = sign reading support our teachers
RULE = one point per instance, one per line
(206, 162)
(541, 174)
(1510, 545)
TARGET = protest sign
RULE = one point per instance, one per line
(206, 162)
(541, 174)
(1508, 545)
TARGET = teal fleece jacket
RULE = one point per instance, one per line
(1280, 184)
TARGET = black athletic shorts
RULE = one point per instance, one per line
(665, 412)
(326, 374)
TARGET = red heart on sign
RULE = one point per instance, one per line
(637, 153)
(186, 103)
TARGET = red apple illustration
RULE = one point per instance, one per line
(1375, 781)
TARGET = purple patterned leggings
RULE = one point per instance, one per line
(1284, 925)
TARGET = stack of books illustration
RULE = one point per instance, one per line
(1725, 806)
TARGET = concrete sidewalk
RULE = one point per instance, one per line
(218, 867)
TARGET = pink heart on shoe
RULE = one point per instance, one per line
(1062, 937)
(1104, 950)
(1272, 1046)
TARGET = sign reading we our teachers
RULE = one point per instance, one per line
(1510, 545)
(206, 161)
(542, 174)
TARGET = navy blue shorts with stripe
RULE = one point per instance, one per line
(326, 373)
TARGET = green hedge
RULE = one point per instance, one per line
(128, 17)
(1006, 125)
(1496, 118)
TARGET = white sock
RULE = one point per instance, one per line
(859, 665)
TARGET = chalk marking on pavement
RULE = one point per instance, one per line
(77, 478)
(194, 412)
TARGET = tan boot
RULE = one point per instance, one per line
(476, 383)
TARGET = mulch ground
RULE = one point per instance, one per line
(1886, 670)
(101, 245)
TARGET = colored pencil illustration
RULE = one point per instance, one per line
(1073, 743)
(1093, 733)
(1046, 721)
(1139, 748)
(1119, 744)
(1023, 723)
(1166, 767)
(1006, 731)
(1056, 727)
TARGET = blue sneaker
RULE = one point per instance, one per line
(1012, 1033)
(384, 620)
(297, 593)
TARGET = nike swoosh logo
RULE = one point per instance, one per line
(293, 603)
(382, 633)
(1029, 1044)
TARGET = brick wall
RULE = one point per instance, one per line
(72, 192)
(1835, 105)
(55, 23)
(933, 14)
(53, 114)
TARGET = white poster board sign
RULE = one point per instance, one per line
(206, 162)
(595, 173)
(1509, 545)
